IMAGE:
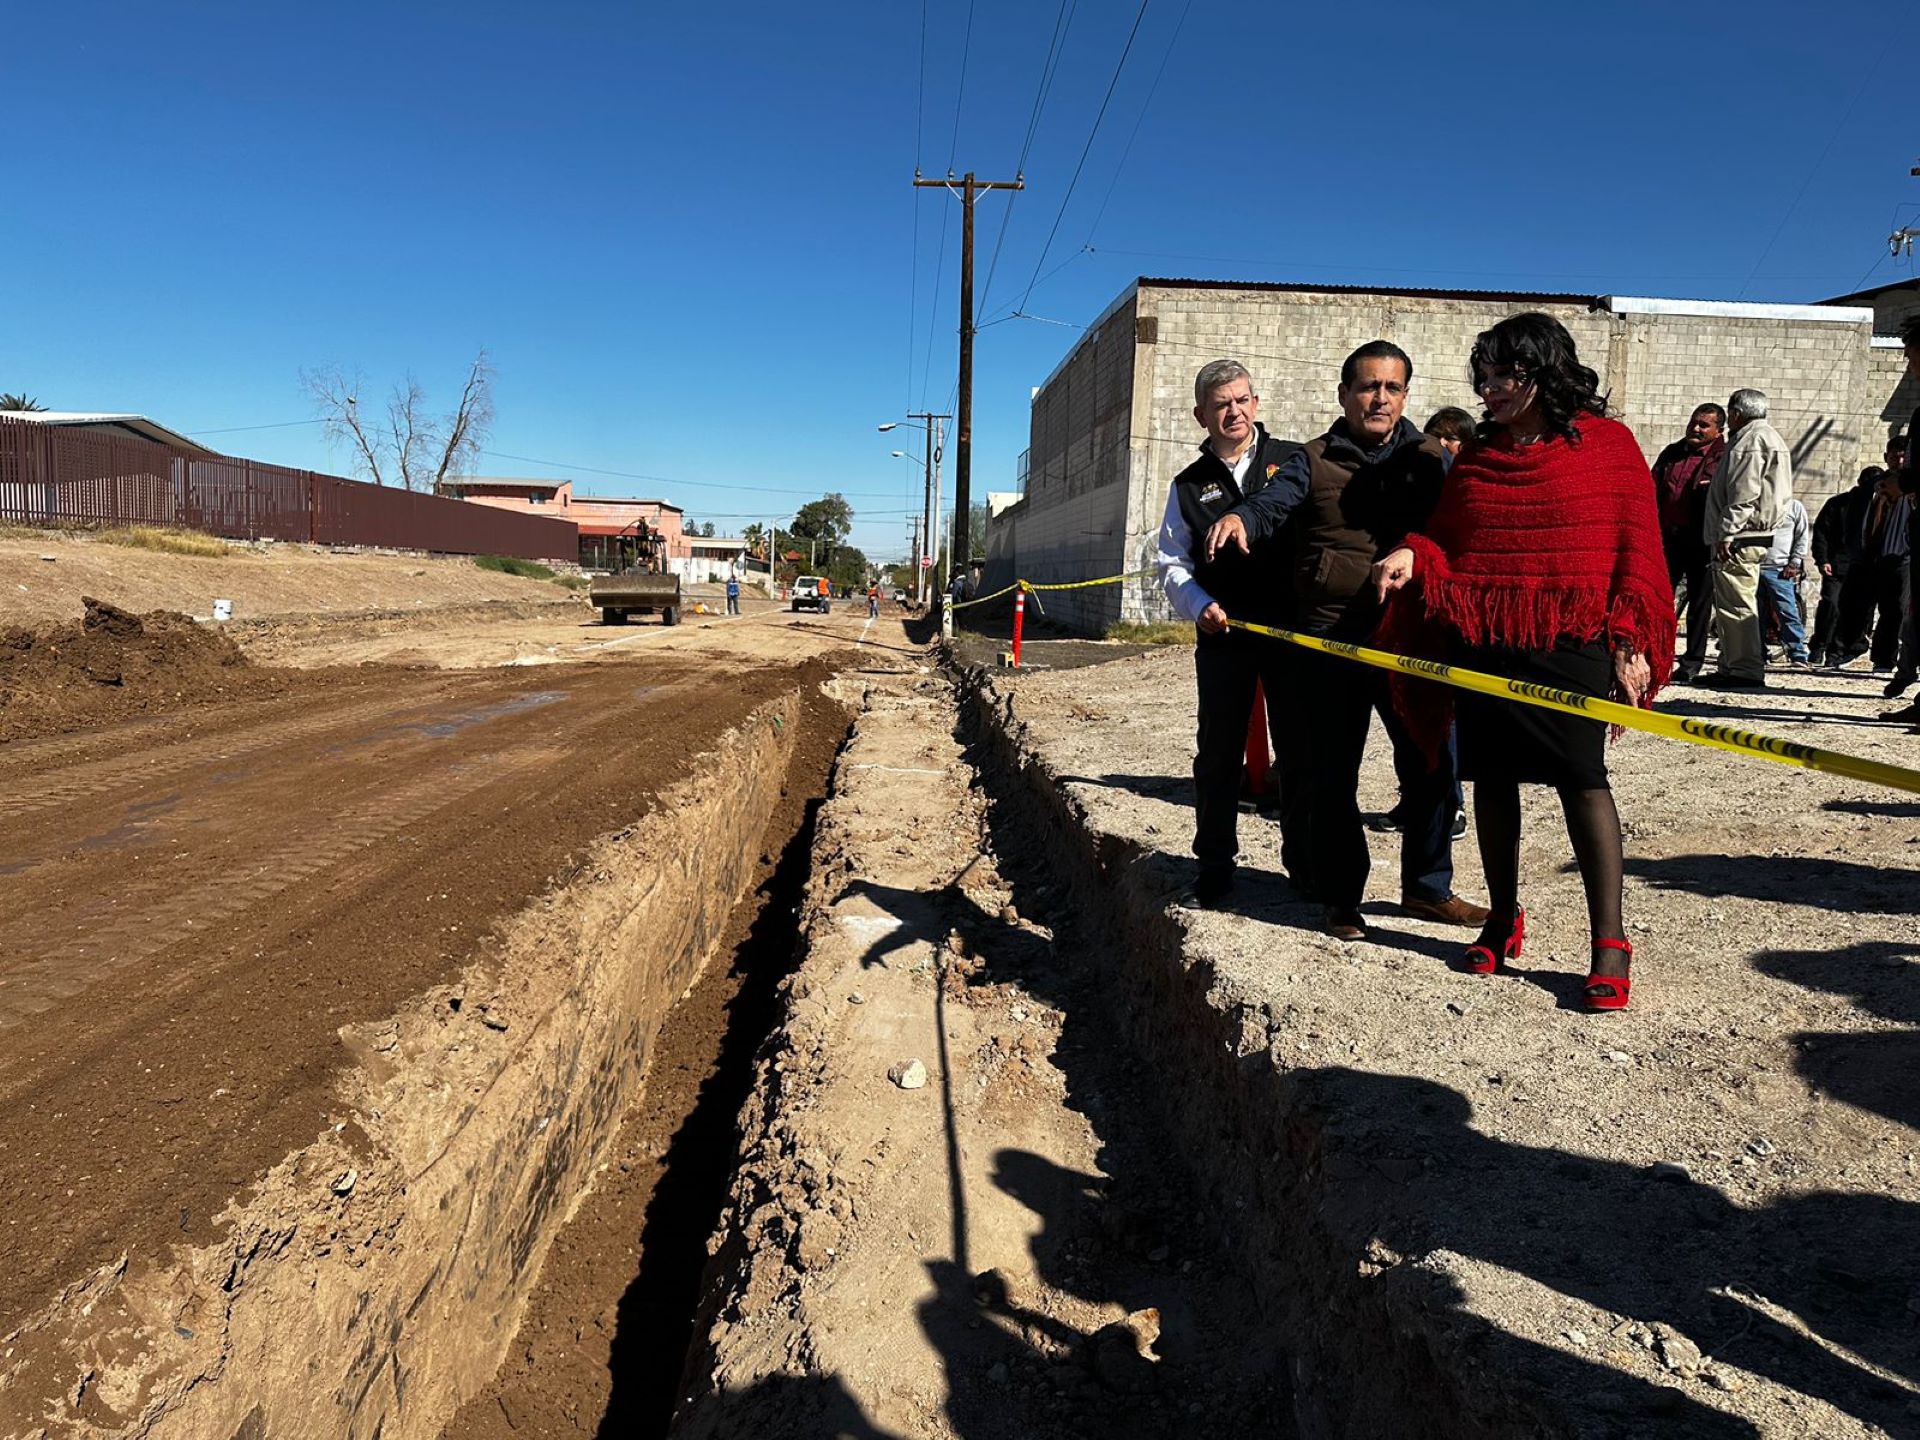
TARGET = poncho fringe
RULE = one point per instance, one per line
(1530, 545)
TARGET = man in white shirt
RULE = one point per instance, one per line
(1780, 576)
(1238, 460)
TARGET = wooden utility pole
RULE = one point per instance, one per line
(932, 428)
(963, 438)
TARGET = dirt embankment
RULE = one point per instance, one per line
(605, 1333)
(228, 929)
(47, 573)
(112, 664)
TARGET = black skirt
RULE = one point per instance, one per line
(1505, 740)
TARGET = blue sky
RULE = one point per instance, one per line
(688, 238)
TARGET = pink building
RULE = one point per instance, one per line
(602, 519)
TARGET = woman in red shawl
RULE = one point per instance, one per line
(1542, 563)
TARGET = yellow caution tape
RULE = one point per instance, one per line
(1696, 732)
(981, 600)
(1030, 586)
(1083, 584)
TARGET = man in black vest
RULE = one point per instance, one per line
(1349, 497)
(1239, 459)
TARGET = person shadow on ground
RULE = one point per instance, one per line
(805, 1407)
(1873, 1069)
(1849, 887)
(1812, 1291)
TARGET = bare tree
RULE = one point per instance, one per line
(468, 425)
(336, 397)
(411, 432)
(410, 447)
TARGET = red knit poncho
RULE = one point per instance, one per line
(1533, 542)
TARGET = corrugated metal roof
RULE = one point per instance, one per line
(138, 425)
(1868, 294)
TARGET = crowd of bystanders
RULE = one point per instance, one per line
(1532, 542)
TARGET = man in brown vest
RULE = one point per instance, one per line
(1353, 494)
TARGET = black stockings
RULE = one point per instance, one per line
(1593, 825)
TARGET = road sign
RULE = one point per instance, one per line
(926, 562)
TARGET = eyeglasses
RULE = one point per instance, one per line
(1499, 377)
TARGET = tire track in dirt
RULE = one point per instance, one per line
(66, 786)
(112, 941)
(242, 895)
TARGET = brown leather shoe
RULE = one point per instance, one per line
(1344, 924)
(1450, 911)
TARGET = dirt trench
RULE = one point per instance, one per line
(369, 1282)
(605, 1334)
(962, 1207)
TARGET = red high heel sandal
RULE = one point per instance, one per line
(1480, 959)
(1608, 992)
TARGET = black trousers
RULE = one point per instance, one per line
(1340, 700)
(1826, 616)
(1688, 560)
(1875, 596)
(1227, 667)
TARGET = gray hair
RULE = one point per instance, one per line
(1748, 404)
(1216, 373)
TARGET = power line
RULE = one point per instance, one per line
(919, 147)
(1086, 149)
(960, 95)
(1049, 67)
(1014, 312)
(236, 429)
(1813, 170)
(1173, 43)
(933, 310)
(667, 479)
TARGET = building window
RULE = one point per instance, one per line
(536, 499)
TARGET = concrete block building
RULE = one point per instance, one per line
(1113, 424)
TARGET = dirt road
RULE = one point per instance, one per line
(193, 904)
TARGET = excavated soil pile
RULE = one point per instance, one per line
(112, 664)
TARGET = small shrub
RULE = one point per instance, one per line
(169, 542)
(1151, 632)
(573, 582)
(510, 565)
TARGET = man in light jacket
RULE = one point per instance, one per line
(1745, 504)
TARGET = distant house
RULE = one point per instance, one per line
(602, 519)
(714, 557)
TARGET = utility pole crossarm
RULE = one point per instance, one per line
(978, 185)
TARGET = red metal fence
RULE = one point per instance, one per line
(67, 475)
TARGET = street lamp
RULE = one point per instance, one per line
(929, 526)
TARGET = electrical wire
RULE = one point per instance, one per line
(933, 310)
(1049, 67)
(1085, 150)
(960, 95)
(919, 148)
(1173, 43)
(236, 429)
(1814, 169)
(667, 479)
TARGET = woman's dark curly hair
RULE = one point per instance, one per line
(1539, 348)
